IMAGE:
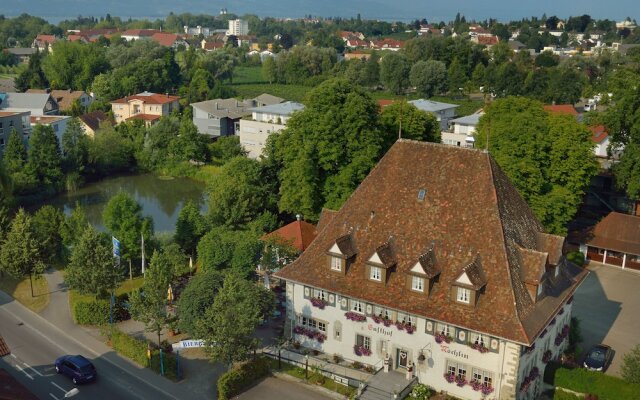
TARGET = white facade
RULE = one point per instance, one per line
(238, 27)
(264, 121)
(504, 365)
(457, 139)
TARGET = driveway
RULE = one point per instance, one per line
(277, 389)
(607, 305)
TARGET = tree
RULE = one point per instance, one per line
(14, 156)
(149, 304)
(227, 326)
(189, 228)
(47, 223)
(269, 69)
(123, 218)
(189, 145)
(44, 161)
(429, 77)
(75, 147)
(457, 77)
(394, 72)
(196, 298)
(32, 77)
(549, 158)
(238, 194)
(222, 248)
(21, 254)
(326, 149)
(226, 148)
(110, 152)
(73, 226)
(92, 269)
(631, 365)
(416, 124)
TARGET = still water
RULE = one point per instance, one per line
(160, 198)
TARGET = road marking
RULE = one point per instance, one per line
(24, 372)
(52, 395)
(29, 366)
(14, 356)
(54, 384)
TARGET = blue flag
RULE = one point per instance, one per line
(116, 246)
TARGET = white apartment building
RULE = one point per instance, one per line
(238, 27)
(473, 299)
(265, 121)
(442, 111)
(462, 131)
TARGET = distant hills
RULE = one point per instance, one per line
(397, 10)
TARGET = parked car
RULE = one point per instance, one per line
(78, 368)
(598, 358)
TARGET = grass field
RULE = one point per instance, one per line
(7, 76)
(20, 289)
(287, 92)
(245, 75)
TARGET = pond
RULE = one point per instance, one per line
(160, 198)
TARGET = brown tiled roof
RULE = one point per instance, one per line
(95, 118)
(346, 245)
(483, 237)
(386, 255)
(4, 349)
(534, 265)
(152, 98)
(429, 264)
(165, 39)
(561, 109)
(326, 216)
(64, 98)
(618, 232)
(488, 40)
(475, 274)
(299, 234)
(551, 244)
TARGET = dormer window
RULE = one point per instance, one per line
(422, 275)
(375, 274)
(464, 295)
(336, 263)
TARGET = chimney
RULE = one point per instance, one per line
(298, 217)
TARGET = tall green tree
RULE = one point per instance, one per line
(228, 325)
(75, 148)
(548, 158)
(222, 248)
(416, 124)
(14, 159)
(326, 149)
(149, 304)
(394, 72)
(429, 77)
(196, 298)
(32, 77)
(190, 227)
(92, 269)
(73, 226)
(44, 161)
(123, 218)
(47, 222)
(21, 253)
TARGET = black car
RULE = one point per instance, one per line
(78, 368)
(598, 358)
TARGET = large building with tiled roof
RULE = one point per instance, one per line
(436, 266)
(145, 106)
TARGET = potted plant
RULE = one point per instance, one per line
(450, 377)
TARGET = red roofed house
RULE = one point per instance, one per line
(298, 234)
(601, 139)
(387, 44)
(137, 34)
(485, 40)
(44, 42)
(385, 103)
(346, 35)
(467, 299)
(77, 38)
(145, 106)
(615, 240)
(567, 109)
(356, 43)
(169, 39)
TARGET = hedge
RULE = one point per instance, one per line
(96, 312)
(604, 386)
(576, 257)
(130, 347)
(241, 376)
(169, 362)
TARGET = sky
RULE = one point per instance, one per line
(396, 10)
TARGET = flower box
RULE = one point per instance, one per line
(361, 350)
(460, 381)
(402, 326)
(546, 357)
(355, 316)
(319, 303)
(475, 385)
(450, 377)
(442, 338)
(480, 347)
(486, 390)
(310, 333)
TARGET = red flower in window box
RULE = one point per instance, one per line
(353, 316)
(321, 304)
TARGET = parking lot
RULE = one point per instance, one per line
(607, 305)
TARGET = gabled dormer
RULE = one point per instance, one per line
(341, 254)
(469, 284)
(424, 273)
(553, 246)
(380, 264)
(533, 271)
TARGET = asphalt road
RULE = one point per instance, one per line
(35, 344)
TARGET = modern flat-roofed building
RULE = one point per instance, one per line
(442, 111)
(10, 120)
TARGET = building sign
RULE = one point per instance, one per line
(340, 380)
(187, 344)
(456, 353)
(380, 330)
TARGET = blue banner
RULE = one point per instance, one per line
(116, 246)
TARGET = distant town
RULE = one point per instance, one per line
(209, 206)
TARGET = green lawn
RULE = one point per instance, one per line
(125, 287)
(245, 75)
(315, 379)
(287, 92)
(8, 76)
(20, 289)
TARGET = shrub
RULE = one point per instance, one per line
(596, 383)
(420, 392)
(241, 376)
(168, 361)
(631, 365)
(130, 347)
(96, 312)
(576, 257)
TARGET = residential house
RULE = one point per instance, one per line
(65, 98)
(23, 54)
(296, 235)
(447, 277)
(484, 40)
(265, 99)
(442, 111)
(137, 34)
(77, 38)
(264, 121)
(58, 123)
(429, 30)
(600, 137)
(198, 30)
(563, 109)
(346, 35)
(356, 43)
(516, 45)
(10, 120)
(91, 122)
(94, 34)
(146, 106)
(169, 39)
(462, 131)
(386, 44)
(44, 42)
(615, 240)
(211, 45)
(37, 104)
(238, 27)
